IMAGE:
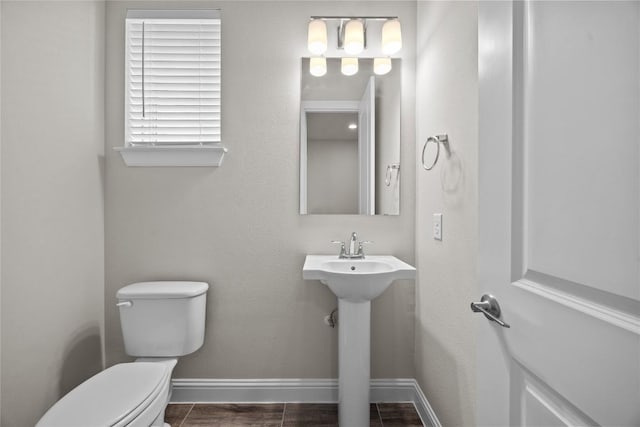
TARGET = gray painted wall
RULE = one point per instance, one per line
(237, 226)
(447, 102)
(52, 202)
(332, 176)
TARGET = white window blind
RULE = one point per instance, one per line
(172, 78)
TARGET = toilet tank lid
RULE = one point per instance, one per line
(162, 290)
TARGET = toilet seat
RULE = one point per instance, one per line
(127, 394)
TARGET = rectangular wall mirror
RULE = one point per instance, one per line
(350, 140)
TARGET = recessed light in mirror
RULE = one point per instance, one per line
(353, 126)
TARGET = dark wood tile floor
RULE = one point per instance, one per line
(284, 414)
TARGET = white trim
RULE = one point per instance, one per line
(367, 149)
(298, 390)
(201, 155)
(316, 107)
(303, 161)
(426, 412)
(174, 14)
(607, 314)
(330, 106)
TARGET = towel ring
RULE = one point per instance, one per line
(437, 139)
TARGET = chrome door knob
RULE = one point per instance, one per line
(491, 309)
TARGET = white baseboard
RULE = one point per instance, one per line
(426, 412)
(298, 391)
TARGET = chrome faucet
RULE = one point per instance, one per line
(353, 242)
(355, 248)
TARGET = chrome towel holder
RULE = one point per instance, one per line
(438, 140)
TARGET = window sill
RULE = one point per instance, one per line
(200, 155)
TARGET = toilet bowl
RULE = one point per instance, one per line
(128, 394)
(160, 321)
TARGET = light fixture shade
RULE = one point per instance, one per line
(381, 65)
(391, 37)
(318, 66)
(349, 66)
(354, 37)
(317, 37)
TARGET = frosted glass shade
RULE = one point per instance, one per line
(349, 66)
(318, 66)
(381, 66)
(354, 37)
(391, 37)
(317, 37)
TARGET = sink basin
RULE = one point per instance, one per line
(356, 280)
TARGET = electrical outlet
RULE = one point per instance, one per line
(437, 226)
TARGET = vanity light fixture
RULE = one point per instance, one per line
(317, 36)
(353, 37)
(349, 66)
(381, 66)
(391, 37)
(352, 33)
(318, 66)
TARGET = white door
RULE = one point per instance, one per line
(366, 149)
(559, 232)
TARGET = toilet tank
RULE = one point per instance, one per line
(162, 319)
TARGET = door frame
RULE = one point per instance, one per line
(495, 86)
(366, 150)
(316, 107)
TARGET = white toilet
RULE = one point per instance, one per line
(160, 322)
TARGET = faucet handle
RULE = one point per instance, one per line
(360, 248)
(343, 250)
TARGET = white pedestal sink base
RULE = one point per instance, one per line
(355, 280)
(354, 342)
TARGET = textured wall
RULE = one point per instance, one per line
(332, 190)
(447, 102)
(52, 202)
(237, 226)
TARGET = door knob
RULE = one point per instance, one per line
(491, 309)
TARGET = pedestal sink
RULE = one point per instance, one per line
(355, 282)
